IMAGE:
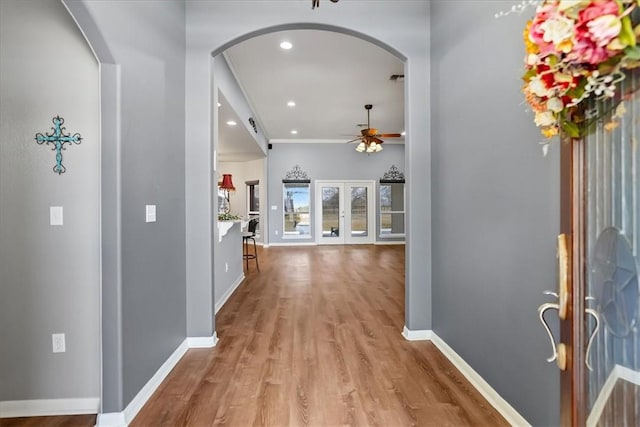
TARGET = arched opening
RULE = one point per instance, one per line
(374, 174)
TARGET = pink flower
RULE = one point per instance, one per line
(587, 51)
(604, 29)
(537, 29)
(598, 24)
(597, 9)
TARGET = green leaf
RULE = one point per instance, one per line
(578, 90)
(610, 65)
(627, 36)
(570, 129)
(529, 74)
(632, 52)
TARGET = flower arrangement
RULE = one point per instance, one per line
(226, 216)
(577, 50)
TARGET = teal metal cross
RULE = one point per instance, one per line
(58, 139)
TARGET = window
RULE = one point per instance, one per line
(253, 197)
(391, 210)
(223, 202)
(297, 221)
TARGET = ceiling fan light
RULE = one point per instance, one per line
(378, 148)
(371, 148)
(360, 148)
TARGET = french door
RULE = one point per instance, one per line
(345, 212)
(600, 222)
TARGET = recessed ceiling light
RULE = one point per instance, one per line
(403, 133)
(291, 103)
(231, 123)
(286, 45)
(219, 105)
(294, 132)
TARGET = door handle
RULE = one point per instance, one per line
(559, 351)
(541, 310)
(593, 313)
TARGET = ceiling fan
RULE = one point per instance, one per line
(316, 3)
(370, 141)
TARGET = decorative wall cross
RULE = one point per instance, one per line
(58, 139)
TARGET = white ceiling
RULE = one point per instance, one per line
(235, 144)
(330, 76)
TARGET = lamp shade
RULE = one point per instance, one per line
(227, 182)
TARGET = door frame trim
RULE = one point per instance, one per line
(572, 223)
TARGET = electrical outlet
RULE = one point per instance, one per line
(226, 267)
(58, 341)
(276, 231)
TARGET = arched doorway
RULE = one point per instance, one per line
(210, 32)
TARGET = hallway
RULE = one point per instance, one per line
(314, 339)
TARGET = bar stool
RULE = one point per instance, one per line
(250, 234)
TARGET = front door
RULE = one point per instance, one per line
(601, 219)
(345, 212)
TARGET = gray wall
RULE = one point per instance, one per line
(495, 207)
(228, 263)
(322, 161)
(146, 40)
(49, 276)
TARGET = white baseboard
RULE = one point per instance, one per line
(112, 419)
(49, 407)
(416, 335)
(502, 406)
(203, 342)
(618, 373)
(122, 419)
(390, 242)
(294, 244)
(227, 294)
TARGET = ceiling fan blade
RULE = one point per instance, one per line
(378, 140)
(354, 140)
(364, 132)
(390, 135)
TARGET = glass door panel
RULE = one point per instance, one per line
(612, 243)
(332, 213)
(359, 212)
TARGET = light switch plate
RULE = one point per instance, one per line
(150, 213)
(274, 207)
(56, 215)
(59, 344)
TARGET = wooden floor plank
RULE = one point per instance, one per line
(314, 339)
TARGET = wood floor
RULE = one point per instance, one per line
(314, 340)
